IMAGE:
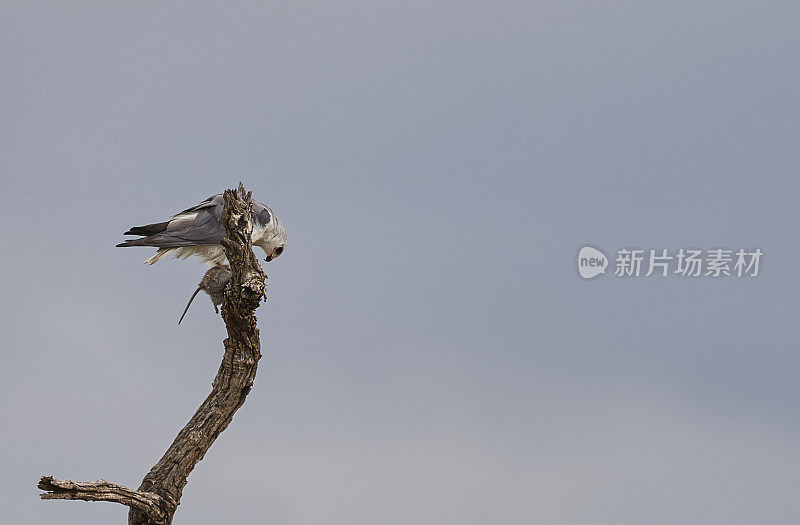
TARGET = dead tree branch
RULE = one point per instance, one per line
(101, 490)
(157, 498)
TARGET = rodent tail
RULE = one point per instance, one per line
(189, 304)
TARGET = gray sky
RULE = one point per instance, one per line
(430, 354)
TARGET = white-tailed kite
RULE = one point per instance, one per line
(198, 230)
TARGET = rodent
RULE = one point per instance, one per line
(214, 282)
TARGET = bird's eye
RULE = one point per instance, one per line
(278, 250)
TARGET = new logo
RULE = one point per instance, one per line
(591, 262)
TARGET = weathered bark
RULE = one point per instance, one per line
(148, 503)
(159, 495)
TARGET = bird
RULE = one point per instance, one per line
(198, 230)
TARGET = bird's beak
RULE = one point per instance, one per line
(269, 258)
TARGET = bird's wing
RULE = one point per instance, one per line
(199, 225)
(214, 200)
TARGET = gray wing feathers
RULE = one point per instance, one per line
(198, 225)
(214, 200)
(193, 228)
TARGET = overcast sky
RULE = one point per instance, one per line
(431, 355)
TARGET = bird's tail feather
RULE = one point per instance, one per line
(160, 254)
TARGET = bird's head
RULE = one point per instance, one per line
(274, 241)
